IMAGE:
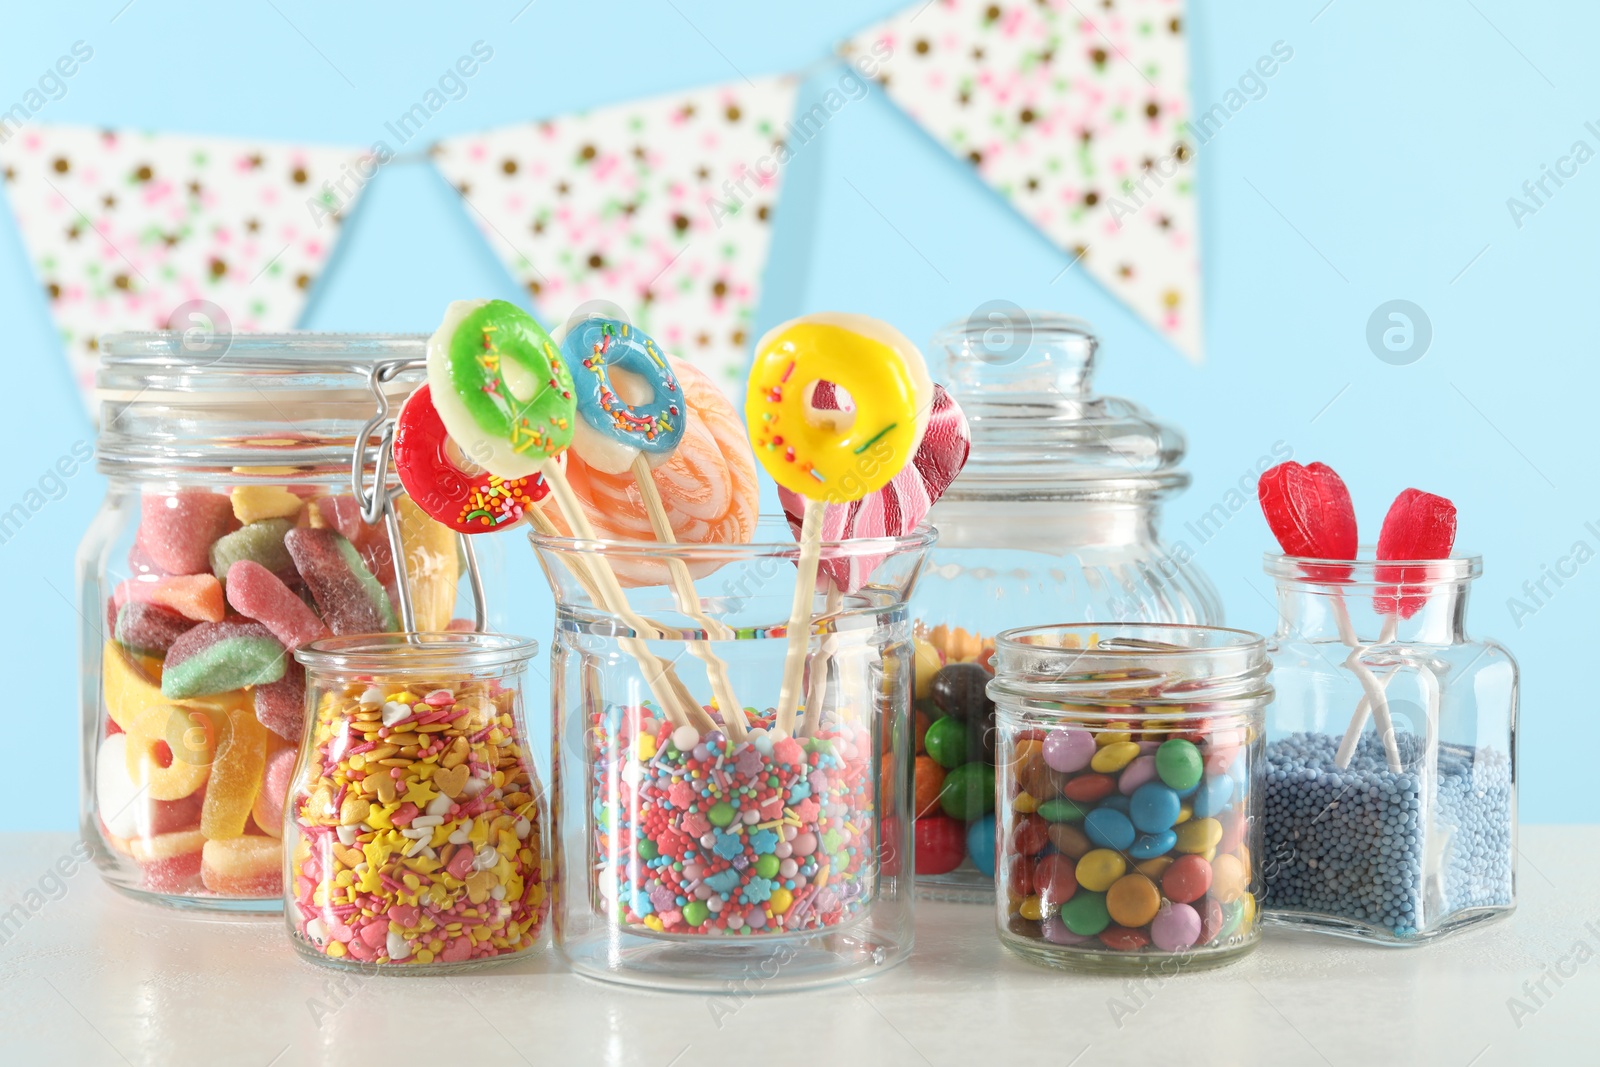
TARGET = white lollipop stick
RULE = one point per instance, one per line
(679, 709)
(818, 689)
(1376, 699)
(689, 601)
(805, 583)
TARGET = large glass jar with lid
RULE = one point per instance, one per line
(1054, 519)
(230, 534)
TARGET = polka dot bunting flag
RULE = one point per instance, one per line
(1075, 113)
(663, 205)
(126, 230)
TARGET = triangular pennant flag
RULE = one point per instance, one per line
(662, 205)
(141, 231)
(1076, 114)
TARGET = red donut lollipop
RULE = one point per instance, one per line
(429, 466)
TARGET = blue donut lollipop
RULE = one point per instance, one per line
(611, 431)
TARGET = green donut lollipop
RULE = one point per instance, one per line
(500, 386)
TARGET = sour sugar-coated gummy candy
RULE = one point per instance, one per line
(253, 503)
(261, 542)
(215, 657)
(242, 866)
(149, 630)
(194, 596)
(235, 776)
(255, 591)
(281, 706)
(176, 530)
(351, 600)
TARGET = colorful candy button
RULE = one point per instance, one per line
(1149, 846)
(1187, 879)
(1055, 880)
(946, 742)
(1112, 758)
(1199, 835)
(1135, 774)
(1089, 788)
(1060, 810)
(1154, 808)
(1099, 868)
(1133, 900)
(1213, 796)
(1109, 829)
(1069, 749)
(1175, 928)
(1085, 914)
(980, 845)
(1179, 764)
(1229, 878)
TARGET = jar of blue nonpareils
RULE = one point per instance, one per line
(1390, 784)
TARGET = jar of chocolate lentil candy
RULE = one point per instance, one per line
(1129, 760)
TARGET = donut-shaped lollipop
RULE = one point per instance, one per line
(500, 386)
(825, 455)
(431, 469)
(628, 400)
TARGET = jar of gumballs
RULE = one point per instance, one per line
(1055, 518)
(230, 536)
(415, 825)
(1390, 777)
(1129, 763)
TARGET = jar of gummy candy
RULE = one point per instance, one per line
(228, 537)
(1129, 763)
(415, 826)
(1390, 784)
(1055, 518)
(706, 848)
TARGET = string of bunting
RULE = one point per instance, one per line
(1075, 115)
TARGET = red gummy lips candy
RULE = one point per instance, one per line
(1419, 526)
(1310, 513)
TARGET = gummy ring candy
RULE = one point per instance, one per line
(170, 750)
(429, 466)
(500, 386)
(806, 450)
(611, 431)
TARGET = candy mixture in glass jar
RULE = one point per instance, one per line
(229, 537)
(1129, 763)
(770, 835)
(1054, 518)
(415, 824)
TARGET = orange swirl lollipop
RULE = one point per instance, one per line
(709, 485)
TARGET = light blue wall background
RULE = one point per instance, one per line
(1377, 166)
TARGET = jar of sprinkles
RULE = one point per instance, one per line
(415, 827)
(707, 846)
(1129, 765)
(1390, 777)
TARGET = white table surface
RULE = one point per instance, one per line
(96, 978)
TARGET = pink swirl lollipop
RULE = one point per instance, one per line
(898, 507)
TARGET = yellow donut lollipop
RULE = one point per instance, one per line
(831, 457)
(826, 455)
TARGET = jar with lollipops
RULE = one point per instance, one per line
(1055, 518)
(731, 741)
(1390, 770)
